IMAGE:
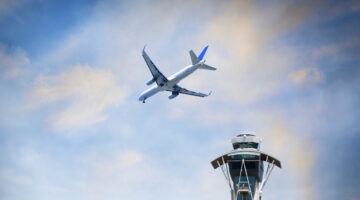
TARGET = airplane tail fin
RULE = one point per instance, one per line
(199, 59)
(202, 54)
(196, 59)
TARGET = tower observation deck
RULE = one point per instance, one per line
(246, 168)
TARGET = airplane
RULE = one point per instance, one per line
(171, 83)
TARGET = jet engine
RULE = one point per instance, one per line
(173, 95)
(150, 82)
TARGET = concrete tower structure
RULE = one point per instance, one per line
(246, 168)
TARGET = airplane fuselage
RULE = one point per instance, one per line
(173, 80)
(178, 76)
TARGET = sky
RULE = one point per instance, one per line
(71, 125)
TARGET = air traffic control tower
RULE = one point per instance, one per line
(246, 168)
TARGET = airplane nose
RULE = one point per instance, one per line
(142, 98)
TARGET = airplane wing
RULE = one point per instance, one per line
(157, 75)
(188, 92)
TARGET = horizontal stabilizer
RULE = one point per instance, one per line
(207, 67)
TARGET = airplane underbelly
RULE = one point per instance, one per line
(150, 92)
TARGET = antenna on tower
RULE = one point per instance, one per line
(246, 169)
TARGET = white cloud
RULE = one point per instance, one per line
(133, 174)
(345, 49)
(251, 67)
(80, 95)
(127, 175)
(306, 76)
(13, 62)
(28, 162)
(120, 163)
(297, 153)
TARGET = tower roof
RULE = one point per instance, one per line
(263, 157)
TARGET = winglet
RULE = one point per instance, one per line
(202, 54)
(144, 47)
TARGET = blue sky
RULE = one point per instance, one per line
(71, 126)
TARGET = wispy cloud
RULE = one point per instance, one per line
(289, 146)
(13, 62)
(118, 175)
(306, 76)
(81, 96)
(8, 7)
(251, 65)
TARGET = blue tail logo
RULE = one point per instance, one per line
(202, 54)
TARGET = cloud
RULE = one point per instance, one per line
(343, 50)
(13, 62)
(80, 95)
(124, 161)
(25, 169)
(127, 174)
(134, 174)
(306, 76)
(297, 153)
(7, 7)
(252, 64)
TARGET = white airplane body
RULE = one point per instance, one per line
(170, 84)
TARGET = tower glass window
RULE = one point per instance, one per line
(243, 145)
